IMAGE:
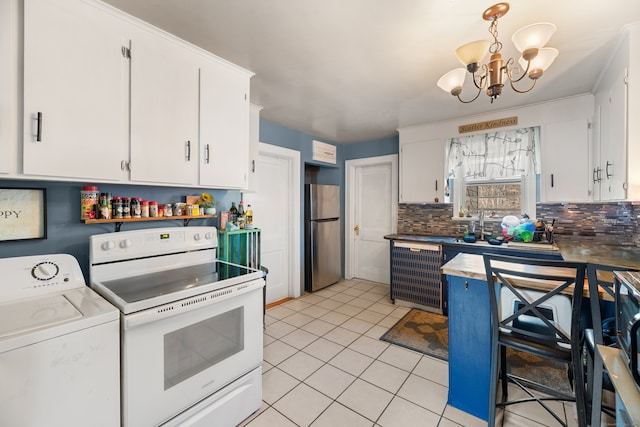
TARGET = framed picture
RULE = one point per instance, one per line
(23, 214)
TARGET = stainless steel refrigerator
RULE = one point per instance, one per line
(323, 253)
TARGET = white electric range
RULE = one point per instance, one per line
(191, 326)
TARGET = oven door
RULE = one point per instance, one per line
(175, 355)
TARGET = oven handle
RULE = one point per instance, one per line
(131, 321)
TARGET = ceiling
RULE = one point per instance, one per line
(356, 70)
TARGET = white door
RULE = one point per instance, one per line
(275, 201)
(372, 212)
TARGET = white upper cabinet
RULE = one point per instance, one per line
(164, 110)
(617, 145)
(565, 161)
(75, 91)
(108, 97)
(8, 84)
(421, 171)
(611, 169)
(224, 126)
(254, 143)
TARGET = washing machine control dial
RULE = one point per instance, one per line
(45, 270)
(108, 245)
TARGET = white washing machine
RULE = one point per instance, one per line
(59, 346)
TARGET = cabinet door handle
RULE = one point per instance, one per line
(551, 180)
(188, 145)
(609, 175)
(436, 185)
(206, 154)
(39, 127)
(596, 174)
(253, 166)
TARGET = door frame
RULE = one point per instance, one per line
(350, 208)
(293, 211)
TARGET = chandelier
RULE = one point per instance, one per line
(529, 41)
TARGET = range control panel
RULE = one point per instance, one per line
(126, 245)
(30, 276)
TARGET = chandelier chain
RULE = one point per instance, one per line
(496, 46)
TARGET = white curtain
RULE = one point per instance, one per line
(503, 154)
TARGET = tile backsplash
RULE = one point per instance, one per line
(606, 222)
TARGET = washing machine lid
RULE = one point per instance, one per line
(25, 316)
(33, 320)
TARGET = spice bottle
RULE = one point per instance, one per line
(153, 209)
(136, 207)
(144, 209)
(126, 207)
(116, 202)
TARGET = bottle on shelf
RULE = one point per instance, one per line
(241, 215)
(233, 213)
(249, 215)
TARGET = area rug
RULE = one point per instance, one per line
(427, 333)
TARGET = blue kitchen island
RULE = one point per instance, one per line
(469, 335)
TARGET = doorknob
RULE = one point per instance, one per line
(357, 230)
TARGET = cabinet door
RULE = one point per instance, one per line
(421, 171)
(8, 82)
(469, 345)
(254, 141)
(76, 81)
(565, 168)
(164, 110)
(224, 126)
(614, 170)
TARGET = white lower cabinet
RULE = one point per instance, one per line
(75, 91)
(164, 111)
(224, 126)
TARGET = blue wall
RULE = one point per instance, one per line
(66, 234)
(281, 136)
(373, 148)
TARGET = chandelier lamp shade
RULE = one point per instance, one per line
(491, 77)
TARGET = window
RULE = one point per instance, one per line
(495, 173)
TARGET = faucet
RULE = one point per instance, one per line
(481, 218)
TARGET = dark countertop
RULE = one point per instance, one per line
(454, 241)
(420, 238)
(623, 256)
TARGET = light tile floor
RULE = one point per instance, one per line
(325, 366)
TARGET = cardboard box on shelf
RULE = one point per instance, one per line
(191, 200)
